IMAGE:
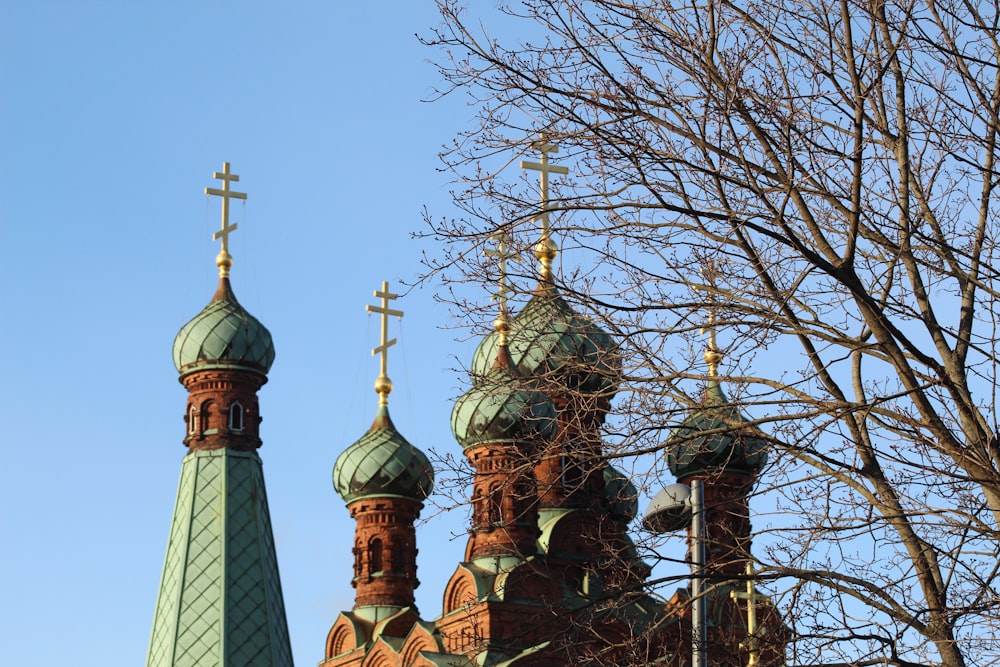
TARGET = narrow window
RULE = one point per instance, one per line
(204, 418)
(374, 556)
(494, 506)
(572, 473)
(236, 417)
(192, 420)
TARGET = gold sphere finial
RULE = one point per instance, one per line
(383, 387)
(546, 251)
(502, 326)
(713, 357)
(225, 262)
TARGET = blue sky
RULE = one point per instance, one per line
(113, 117)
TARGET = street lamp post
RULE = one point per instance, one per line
(673, 508)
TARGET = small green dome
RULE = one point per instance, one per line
(382, 463)
(498, 408)
(621, 498)
(224, 334)
(734, 447)
(548, 337)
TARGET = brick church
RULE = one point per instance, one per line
(550, 574)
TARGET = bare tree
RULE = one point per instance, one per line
(836, 160)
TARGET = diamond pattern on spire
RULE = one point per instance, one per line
(220, 601)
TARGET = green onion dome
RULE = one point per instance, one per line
(548, 337)
(499, 407)
(382, 463)
(223, 335)
(621, 498)
(715, 438)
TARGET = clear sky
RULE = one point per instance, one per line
(113, 116)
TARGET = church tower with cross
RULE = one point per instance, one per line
(550, 575)
(220, 601)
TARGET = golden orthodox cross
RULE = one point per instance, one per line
(713, 355)
(502, 253)
(224, 260)
(545, 250)
(383, 385)
(752, 629)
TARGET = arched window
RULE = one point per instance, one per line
(396, 561)
(374, 556)
(205, 417)
(494, 506)
(572, 473)
(236, 417)
(192, 419)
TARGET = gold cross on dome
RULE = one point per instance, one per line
(502, 253)
(752, 629)
(224, 260)
(713, 355)
(383, 385)
(545, 250)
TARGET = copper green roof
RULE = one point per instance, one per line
(220, 602)
(224, 335)
(382, 463)
(621, 498)
(499, 407)
(549, 337)
(717, 437)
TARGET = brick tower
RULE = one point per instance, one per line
(384, 480)
(220, 602)
(720, 448)
(550, 575)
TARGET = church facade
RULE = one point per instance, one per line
(550, 575)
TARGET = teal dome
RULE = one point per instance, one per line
(621, 498)
(382, 463)
(499, 408)
(548, 337)
(715, 438)
(225, 335)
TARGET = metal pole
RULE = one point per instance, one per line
(699, 629)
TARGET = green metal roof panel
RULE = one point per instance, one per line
(497, 408)
(621, 498)
(382, 463)
(224, 332)
(220, 601)
(716, 437)
(548, 336)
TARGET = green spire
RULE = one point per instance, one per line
(220, 602)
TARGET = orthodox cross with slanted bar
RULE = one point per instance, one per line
(502, 253)
(545, 250)
(383, 385)
(224, 260)
(713, 355)
(753, 630)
